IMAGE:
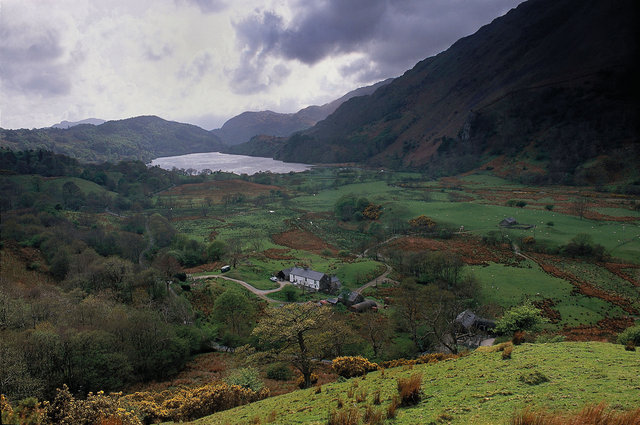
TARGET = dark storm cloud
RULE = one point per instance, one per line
(392, 34)
(32, 61)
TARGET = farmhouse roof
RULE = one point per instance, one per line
(466, 318)
(306, 273)
(509, 221)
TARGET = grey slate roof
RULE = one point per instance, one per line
(308, 273)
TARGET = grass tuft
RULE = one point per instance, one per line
(410, 390)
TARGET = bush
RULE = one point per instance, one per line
(246, 377)
(518, 338)
(549, 207)
(506, 353)
(521, 318)
(349, 367)
(533, 378)
(631, 334)
(410, 390)
(300, 380)
(349, 416)
(279, 372)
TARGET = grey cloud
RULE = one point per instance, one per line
(198, 67)
(206, 6)
(158, 53)
(32, 60)
(392, 34)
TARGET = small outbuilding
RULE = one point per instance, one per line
(470, 321)
(364, 306)
(508, 222)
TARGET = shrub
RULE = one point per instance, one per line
(549, 207)
(391, 408)
(246, 377)
(533, 378)
(521, 318)
(631, 334)
(376, 398)
(96, 408)
(518, 337)
(630, 346)
(506, 353)
(410, 390)
(349, 416)
(373, 416)
(361, 396)
(279, 372)
(349, 367)
(300, 380)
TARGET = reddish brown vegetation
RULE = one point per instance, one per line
(620, 270)
(304, 240)
(546, 306)
(581, 285)
(604, 330)
(590, 415)
(410, 390)
(217, 189)
(470, 249)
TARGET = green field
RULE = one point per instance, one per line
(478, 389)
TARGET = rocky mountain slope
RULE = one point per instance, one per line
(551, 84)
(243, 127)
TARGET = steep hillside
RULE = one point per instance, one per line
(243, 127)
(551, 81)
(143, 138)
(481, 388)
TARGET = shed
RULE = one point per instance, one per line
(364, 306)
(351, 298)
(469, 320)
(509, 221)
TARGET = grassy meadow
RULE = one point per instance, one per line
(480, 388)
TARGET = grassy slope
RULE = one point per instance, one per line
(478, 389)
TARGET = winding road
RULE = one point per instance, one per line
(262, 293)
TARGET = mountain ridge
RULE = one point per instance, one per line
(243, 127)
(142, 138)
(569, 62)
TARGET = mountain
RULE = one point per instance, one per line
(243, 127)
(68, 124)
(551, 85)
(142, 138)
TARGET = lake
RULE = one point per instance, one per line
(238, 164)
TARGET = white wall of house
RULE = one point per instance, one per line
(303, 281)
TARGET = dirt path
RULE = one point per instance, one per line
(377, 280)
(260, 293)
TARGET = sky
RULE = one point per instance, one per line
(205, 61)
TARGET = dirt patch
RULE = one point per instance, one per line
(303, 240)
(605, 330)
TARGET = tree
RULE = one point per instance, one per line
(72, 195)
(579, 206)
(374, 327)
(234, 309)
(294, 333)
(521, 318)
(215, 250)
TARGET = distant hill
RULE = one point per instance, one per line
(142, 138)
(243, 127)
(68, 124)
(550, 86)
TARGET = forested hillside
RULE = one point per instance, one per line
(141, 138)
